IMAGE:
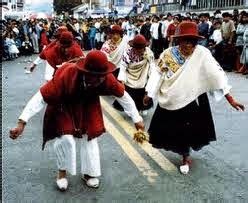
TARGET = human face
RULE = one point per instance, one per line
(116, 37)
(93, 81)
(64, 48)
(139, 51)
(187, 46)
(245, 19)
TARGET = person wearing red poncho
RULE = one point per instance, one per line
(61, 51)
(74, 110)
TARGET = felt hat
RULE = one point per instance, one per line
(139, 41)
(187, 30)
(116, 29)
(96, 62)
(66, 38)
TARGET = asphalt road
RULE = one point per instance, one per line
(130, 172)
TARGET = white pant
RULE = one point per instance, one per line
(65, 149)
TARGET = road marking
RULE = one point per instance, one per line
(142, 165)
(155, 154)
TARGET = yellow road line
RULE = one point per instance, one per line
(155, 154)
(142, 165)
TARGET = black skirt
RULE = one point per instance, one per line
(179, 130)
(137, 95)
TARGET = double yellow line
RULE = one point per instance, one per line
(142, 165)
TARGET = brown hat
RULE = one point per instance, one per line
(60, 30)
(66, 38)
(187, 30)
(139, 42)
(96, 62)
(116, 29)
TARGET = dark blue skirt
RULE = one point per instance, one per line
(179, 130)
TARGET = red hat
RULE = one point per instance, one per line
(188, 30)
(66, 38)
(96, 62)
(139, 41)
(116, 29)
(60, 30)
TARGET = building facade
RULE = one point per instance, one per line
(62, 6)
(161, 6)
(12, 5)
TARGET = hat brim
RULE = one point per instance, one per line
(81, 66)
(120, 32)
(188, 36)
(131, 44)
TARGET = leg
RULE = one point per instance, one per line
(65, 150)
(186, 162)
(90, 161)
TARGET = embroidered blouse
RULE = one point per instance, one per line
(108, 47)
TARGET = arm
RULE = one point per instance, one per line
(130, 109)
(122, 74)
(35, 104)
(152, 85)
(153, 82)
(37, 61)
(233, 30)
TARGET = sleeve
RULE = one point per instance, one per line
(129, 107)
(232, 26)
(239, 30)
(152, 63)
(35, 104)
(122, 74)
(219, 94)
(38, 60)
(49, 71)
(153, 82)
(113, 87)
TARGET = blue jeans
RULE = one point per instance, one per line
(92, 43)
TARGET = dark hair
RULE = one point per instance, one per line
(226, 14)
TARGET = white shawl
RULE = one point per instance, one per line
(199, 74)
(138, 72)
(115, 56)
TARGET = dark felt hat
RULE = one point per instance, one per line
(187, 30)
(139, 41)
(96, 62)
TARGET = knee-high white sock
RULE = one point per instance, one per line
(65, 150)
(90, 157)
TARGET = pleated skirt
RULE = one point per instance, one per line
(180, 130)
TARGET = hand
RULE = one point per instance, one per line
(234, 103)
(146, 100)
(140, 126)
(237, 106)
(16, 132)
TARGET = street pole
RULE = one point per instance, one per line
(90, 5)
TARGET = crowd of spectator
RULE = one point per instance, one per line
(225, 34)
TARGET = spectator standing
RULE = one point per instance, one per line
(241, 28)
(92, 36)
(228, 33)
